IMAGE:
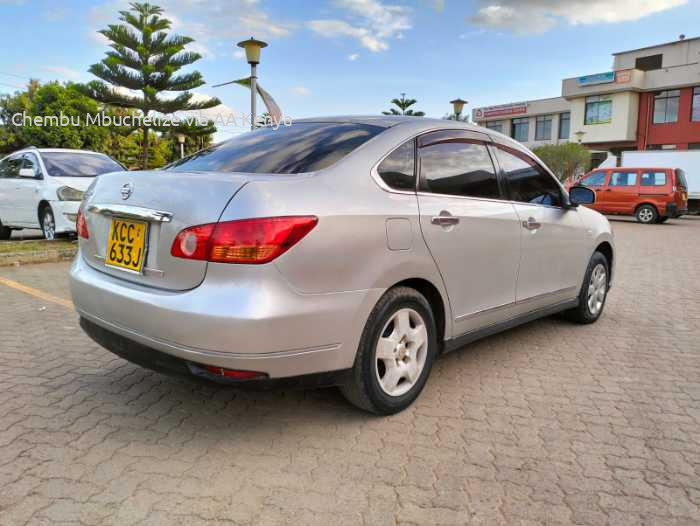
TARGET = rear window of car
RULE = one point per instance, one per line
(299, 148)
(653, 179)
(71, 164)
(680, 178)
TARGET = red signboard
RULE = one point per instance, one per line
(498, 111)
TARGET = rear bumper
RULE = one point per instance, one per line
(65, 213)
(672, 210)
(254, 322)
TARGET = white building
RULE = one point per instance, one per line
(533, 123)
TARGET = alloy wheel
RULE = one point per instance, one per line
(48, 226)
(597, 288)
(646, 215)
(401, 352)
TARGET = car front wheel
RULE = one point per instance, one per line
(395, 355)
(48, 223)
(594, 291)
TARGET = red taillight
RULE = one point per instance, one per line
(81, 225)
(253, 241)
(233, 373)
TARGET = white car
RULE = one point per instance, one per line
(43, 187)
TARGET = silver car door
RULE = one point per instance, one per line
(472, 233)
(552, 236)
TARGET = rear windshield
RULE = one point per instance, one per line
(71, 164)
(299, 148)
(680, 178)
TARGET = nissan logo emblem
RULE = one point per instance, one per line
(127, 190)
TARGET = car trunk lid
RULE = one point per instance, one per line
(164, 203)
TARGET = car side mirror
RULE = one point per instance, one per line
(27, 173)
(581, 195)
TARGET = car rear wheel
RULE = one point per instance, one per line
(647, 214)
(594, 291)
(395, 355)
(5, 232)
(48, 223)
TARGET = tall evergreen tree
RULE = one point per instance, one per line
(403, 104)
(146, 58)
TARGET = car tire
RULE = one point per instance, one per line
(395, 355)
(594, 291)
(5, 232)
(48, 223)
(646, 214)
(663, 219)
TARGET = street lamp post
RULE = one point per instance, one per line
(252, 52)
(181, 140)
(458, 106)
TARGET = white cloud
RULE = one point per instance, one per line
(239, 54)
(371, 22)
(64, 73)
(302, 91)
(215, 26)
(539, 16)
(352, 57)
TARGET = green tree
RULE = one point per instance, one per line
(197, 136)
(403, 104)
(50, 100)
(565, 160)
(146, 58)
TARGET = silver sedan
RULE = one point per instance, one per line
(335, 251)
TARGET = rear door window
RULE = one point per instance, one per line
(299, 148)
(653, 179)
(457, 166)
(623, 179)
(594, 179)
(527, 181)
(680, 178)
(397, 170)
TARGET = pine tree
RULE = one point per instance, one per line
(146, 58)
(404, 104)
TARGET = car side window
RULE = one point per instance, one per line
(3, 167)
(31, 163)
(653, 179)
(13, 166)
(460, 167)
(623, 179)
(595, 179)
(527, 181)
(397, 170)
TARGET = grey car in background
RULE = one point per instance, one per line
(335, 251)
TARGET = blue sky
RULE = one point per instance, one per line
(352, 56)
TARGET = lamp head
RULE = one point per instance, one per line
(252, 50)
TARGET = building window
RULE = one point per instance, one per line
(495, 126)
(598, 109)
(666, 106)
(543, 127)
(648, 63)
(564, 125)
(695, 115)
(521, 129)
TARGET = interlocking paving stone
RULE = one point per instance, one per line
(549, 423)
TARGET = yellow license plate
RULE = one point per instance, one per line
(126, 247)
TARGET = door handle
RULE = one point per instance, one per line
(531, 224)
(444, 219)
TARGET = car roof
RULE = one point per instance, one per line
(54, 150)
(390, 121)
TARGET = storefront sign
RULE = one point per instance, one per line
(623, 76)
(502, 110)
(598, 78)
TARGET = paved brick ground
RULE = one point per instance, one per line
(549, 423)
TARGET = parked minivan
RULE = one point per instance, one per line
(652, 195)
(43, 187)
